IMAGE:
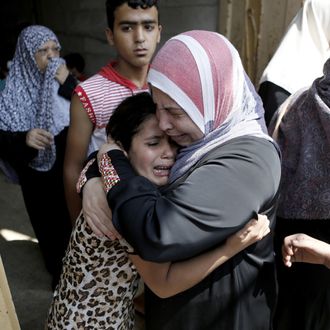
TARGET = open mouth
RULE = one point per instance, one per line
(162, 170)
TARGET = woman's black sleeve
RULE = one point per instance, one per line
(68, 87)
(13, 148)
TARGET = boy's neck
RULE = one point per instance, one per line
(137, 75)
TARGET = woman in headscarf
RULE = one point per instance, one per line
(302, 130)
(33, 112)
(299, 59)
(227, 170)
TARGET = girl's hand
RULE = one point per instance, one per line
(96, 210)
(108, 146)
(252, 232)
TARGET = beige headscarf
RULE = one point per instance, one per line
(299, 59)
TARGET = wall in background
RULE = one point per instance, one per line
(255, 27)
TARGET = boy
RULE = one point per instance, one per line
(134, 30)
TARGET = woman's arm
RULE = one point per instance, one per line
(196, 213)
(67, 82)
(168, 279)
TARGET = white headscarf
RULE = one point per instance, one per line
(299, 59)
(206, 78)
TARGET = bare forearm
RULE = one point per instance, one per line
(168, 279)
(73, 200)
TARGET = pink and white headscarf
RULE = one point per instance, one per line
(202, 72)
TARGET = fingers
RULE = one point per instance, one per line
(110, 145)
(94, 228)
(101, 225)
(258, 229)
(39, 138)
(289, 250)
(61, 74)
(96, 210)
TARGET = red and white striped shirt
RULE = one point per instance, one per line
(100, 95)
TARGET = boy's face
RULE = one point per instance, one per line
(152, 154)
(135, 35)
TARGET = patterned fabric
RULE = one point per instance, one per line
(302, 130)
(100, 95)
(30, 98)
(108, 172)
(82, 177)
(97, 284)
(208, 81)
(299, 59)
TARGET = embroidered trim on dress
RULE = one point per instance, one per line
(108, 172)
(82, 177)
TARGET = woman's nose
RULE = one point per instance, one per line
(52, 53)
(163, 118)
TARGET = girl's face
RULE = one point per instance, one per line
(174, 121)
(47, 51)
(152, 154)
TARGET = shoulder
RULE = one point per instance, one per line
(243, 159)
(245, 148)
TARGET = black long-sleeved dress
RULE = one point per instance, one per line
(216, 198)
(43, 192)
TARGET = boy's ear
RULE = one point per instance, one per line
(160, 33)
(109, 35)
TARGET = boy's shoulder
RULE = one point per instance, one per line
(107, 78)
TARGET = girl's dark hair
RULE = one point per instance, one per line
(128, 116)
(111, 6)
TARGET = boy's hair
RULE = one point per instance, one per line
(128, 116)
(111, 6)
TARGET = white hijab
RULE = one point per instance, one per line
(299, 59)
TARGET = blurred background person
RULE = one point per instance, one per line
(76, 65)
(301, 127)
(33, 111)
(300, 56)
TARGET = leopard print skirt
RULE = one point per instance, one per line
(97, 284)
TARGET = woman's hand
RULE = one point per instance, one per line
(252, 232)
(303, 248)
(38, 138)
(61, 74)
(96, 210)
(108, 146)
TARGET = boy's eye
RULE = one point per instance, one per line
(126, 28)
(149, 27)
